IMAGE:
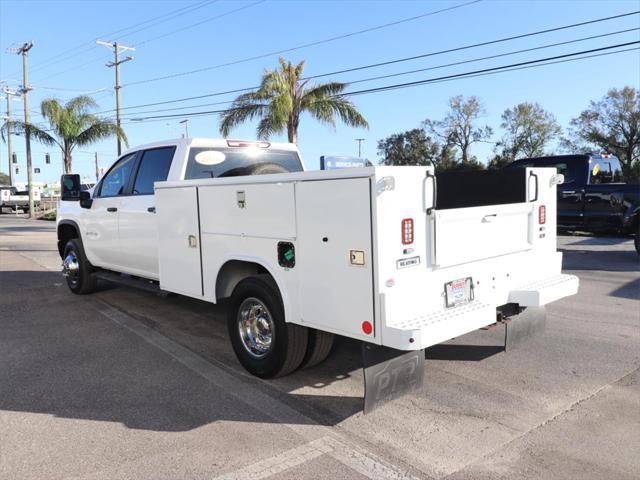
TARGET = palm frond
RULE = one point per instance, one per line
(80, 104)
(98, 131)
(237, 114)
(20, 128)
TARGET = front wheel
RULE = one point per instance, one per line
(264, 343)
(77, 269)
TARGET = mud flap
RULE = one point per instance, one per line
(389, 374)
(520, 328)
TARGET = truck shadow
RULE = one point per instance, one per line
(61, 355)
(607, 261)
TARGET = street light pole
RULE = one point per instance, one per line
(116, 63)
(186, 127)
(359, 140)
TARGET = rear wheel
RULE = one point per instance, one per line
(77, 269)
(318, 348)
(264, 343)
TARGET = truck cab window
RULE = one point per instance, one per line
(115, 182)
(154, 167)
(210, 162)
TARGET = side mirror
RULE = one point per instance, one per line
(85, 199)
(70, 186)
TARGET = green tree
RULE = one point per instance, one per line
(612, 124)
(71, 125)
(413, 147)
(529, 129)
(283, 96)
(458, 129)
(4, 179)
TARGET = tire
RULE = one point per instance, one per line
(268, 347)
(318, 348)
(80, 280)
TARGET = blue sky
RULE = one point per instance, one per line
(57, 27)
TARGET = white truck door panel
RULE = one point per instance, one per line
(100, 236)
(259, 210)
(139, 235)
(333, 255)
(179, 244)
(469, 234)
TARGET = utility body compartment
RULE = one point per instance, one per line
(368, 255)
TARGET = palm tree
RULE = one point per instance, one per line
(283, 96)
(71, 125)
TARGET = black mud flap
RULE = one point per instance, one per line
(389, 374)
(520, 328)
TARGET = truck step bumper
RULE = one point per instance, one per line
(541, 292)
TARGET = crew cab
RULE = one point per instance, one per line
(395, 257)
(593, 197)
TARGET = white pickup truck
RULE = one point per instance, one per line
(396, 257)
(11, 197)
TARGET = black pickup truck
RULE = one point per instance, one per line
(593, 197)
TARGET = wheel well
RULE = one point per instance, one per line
(233, 272)
(66, 232)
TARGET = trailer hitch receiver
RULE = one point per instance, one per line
(390, 374)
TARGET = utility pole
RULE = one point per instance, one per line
(116, 63)
(186, 127)
(359, 140)
(24, 51)
(97, 168)
(9, 94)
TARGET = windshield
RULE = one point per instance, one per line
(209, 162)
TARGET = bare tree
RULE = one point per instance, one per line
(458, 128)
(529, 129)
(613, 125)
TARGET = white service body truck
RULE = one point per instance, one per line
(11, 197)
(396, 257)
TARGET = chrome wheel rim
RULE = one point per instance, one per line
(71, 268)
(256, 327)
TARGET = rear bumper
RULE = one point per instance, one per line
(439, 326)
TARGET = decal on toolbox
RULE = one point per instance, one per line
(408, 262)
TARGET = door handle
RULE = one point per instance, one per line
(112, 209)
(488, 218)
(151, 209)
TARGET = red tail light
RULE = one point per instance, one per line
(542, 214)
(407, 231)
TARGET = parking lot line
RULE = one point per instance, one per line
(320, 439)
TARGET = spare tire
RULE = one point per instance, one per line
(267, 168)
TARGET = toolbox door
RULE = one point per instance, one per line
(333, 256)
(179, 251)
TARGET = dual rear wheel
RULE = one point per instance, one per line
(264, 343)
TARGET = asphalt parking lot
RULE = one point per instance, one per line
(128, 384)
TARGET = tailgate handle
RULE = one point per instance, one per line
(488, 218)
(535, 198)
(429, 202)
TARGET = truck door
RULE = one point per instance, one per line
(100, 238)
(603, 209)
(333, 255)
(137, 218)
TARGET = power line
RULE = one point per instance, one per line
(380, 77)
(305, 45)
(514, 66)
(186, 27)
(363, 67)
(172, 14)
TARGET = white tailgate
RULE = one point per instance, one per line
(268, 211)
(467, 234)
(179, 240)
(334, 219)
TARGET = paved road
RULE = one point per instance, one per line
(127, 384)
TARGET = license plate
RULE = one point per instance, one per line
(458, 292)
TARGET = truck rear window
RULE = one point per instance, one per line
(207, 162)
